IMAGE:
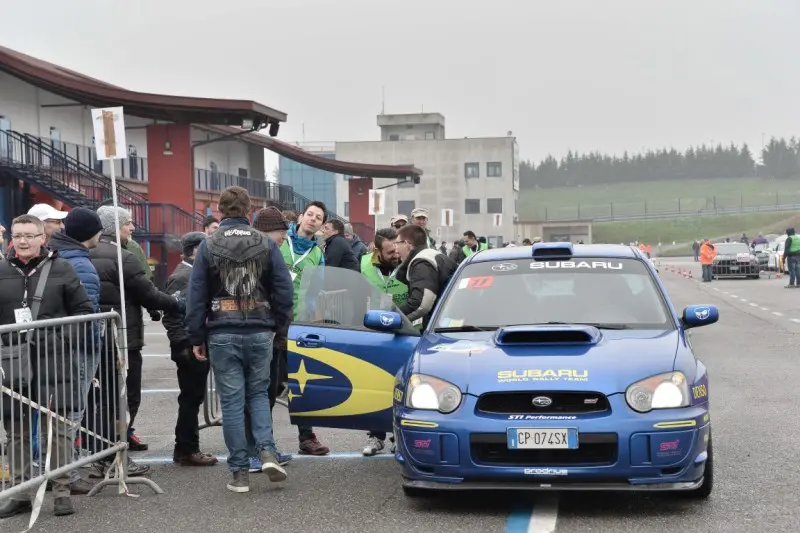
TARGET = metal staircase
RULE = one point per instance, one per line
(29, 159)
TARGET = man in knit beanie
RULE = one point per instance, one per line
(132, 246)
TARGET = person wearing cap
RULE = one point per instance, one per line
(52, 218)
(271, 222)
(82, 228)
(419, 217)
(139, 292)
(398, 221)
(358, 246)
(192, 373)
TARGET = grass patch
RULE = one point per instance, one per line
(686, 230)
(654, 197)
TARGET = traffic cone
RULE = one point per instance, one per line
(690, 275)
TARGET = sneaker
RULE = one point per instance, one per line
(195, 459)
(284, 458)
(270, 466)
(136, 445)
(393, 447)
(240, 482)
(374, 446)
(133, 469)
(255, 465)
(311, 446)
(11, 508)
(80, 486)
(63, 506)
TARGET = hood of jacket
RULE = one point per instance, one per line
(63, 243)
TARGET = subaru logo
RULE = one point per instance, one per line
(504, 267)
(542, 401)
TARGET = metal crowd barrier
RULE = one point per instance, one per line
(64, 406)
(212, 411)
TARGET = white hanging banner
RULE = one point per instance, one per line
(109, 133)
(497, 220)
(447, 218)
(377, 202)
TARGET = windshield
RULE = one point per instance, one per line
(732, 248)
(761, 247)
(338, 297)
(611, 292)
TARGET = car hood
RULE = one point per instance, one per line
(478, 363)
(729, 257)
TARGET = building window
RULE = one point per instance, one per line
(494, 205)
(346, 209)
(430, 135)
(404, 207)
(394, 137)
(472, 207)
(494, 169)
(472, 170)
(242, 172)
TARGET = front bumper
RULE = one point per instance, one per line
(620, 450)
(735, 270)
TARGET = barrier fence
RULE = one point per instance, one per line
(64, 406)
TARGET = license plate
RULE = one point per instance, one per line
(542, 438)
(734, 269)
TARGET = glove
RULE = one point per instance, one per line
(155, 316)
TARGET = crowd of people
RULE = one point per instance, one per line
(227, 306)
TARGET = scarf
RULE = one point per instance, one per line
(299, 244)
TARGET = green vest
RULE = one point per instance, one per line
(296, 264)
(397, 289)
(133, 247)
(793, 244)
(468, 251)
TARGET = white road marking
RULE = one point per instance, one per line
(716, 289)
(777, 313)
(156, 355)
(742, 299)
(765, 309)
(795, 320)
(753, 304)
(544, 515)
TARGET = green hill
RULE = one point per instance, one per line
(653, 197)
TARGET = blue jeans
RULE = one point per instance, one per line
(241, 364)
(707, 272)
(794, 269)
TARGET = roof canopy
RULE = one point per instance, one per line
(211, 114)
(89, 91)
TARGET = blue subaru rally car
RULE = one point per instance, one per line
(551, 367)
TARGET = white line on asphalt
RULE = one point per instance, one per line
(795, 320)
(156, 355)
(166, 460)
(753, 304)
(734, 296)
(742, 299)
(765, 308)
(777, 313)
(716, 289)
(544, 515)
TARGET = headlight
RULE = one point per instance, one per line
(664, 391)
(433, 394)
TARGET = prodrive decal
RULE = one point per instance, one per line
(538, 374)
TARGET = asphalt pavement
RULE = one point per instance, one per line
(751, 354)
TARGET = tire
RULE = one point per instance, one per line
(755, 277)
(704, 491)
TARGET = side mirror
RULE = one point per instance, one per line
(696, 316)
(383, 320)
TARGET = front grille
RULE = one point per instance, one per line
(594, 449)
(510, 403)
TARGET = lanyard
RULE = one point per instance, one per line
(291, 251)
(380, 274)
(26, 277)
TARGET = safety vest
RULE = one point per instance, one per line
(793, 244)
(387, 285)
(296, 264)
(468, 251)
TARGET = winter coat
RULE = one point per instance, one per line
(139, 290)
(338, 253)
(426, 272)
(51, 348)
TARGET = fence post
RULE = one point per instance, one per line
(679, 205)
(579, 211)
(545, 214)
(645, 207)
(612, 209)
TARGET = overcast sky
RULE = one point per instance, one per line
(609, 75)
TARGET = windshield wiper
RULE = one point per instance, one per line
(460, 329)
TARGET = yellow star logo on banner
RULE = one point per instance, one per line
(303, 377)
(292, 395)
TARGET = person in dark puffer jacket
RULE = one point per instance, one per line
(64, 296)
(139, 292)
(81, 232)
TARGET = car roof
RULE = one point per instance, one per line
(607, 251)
